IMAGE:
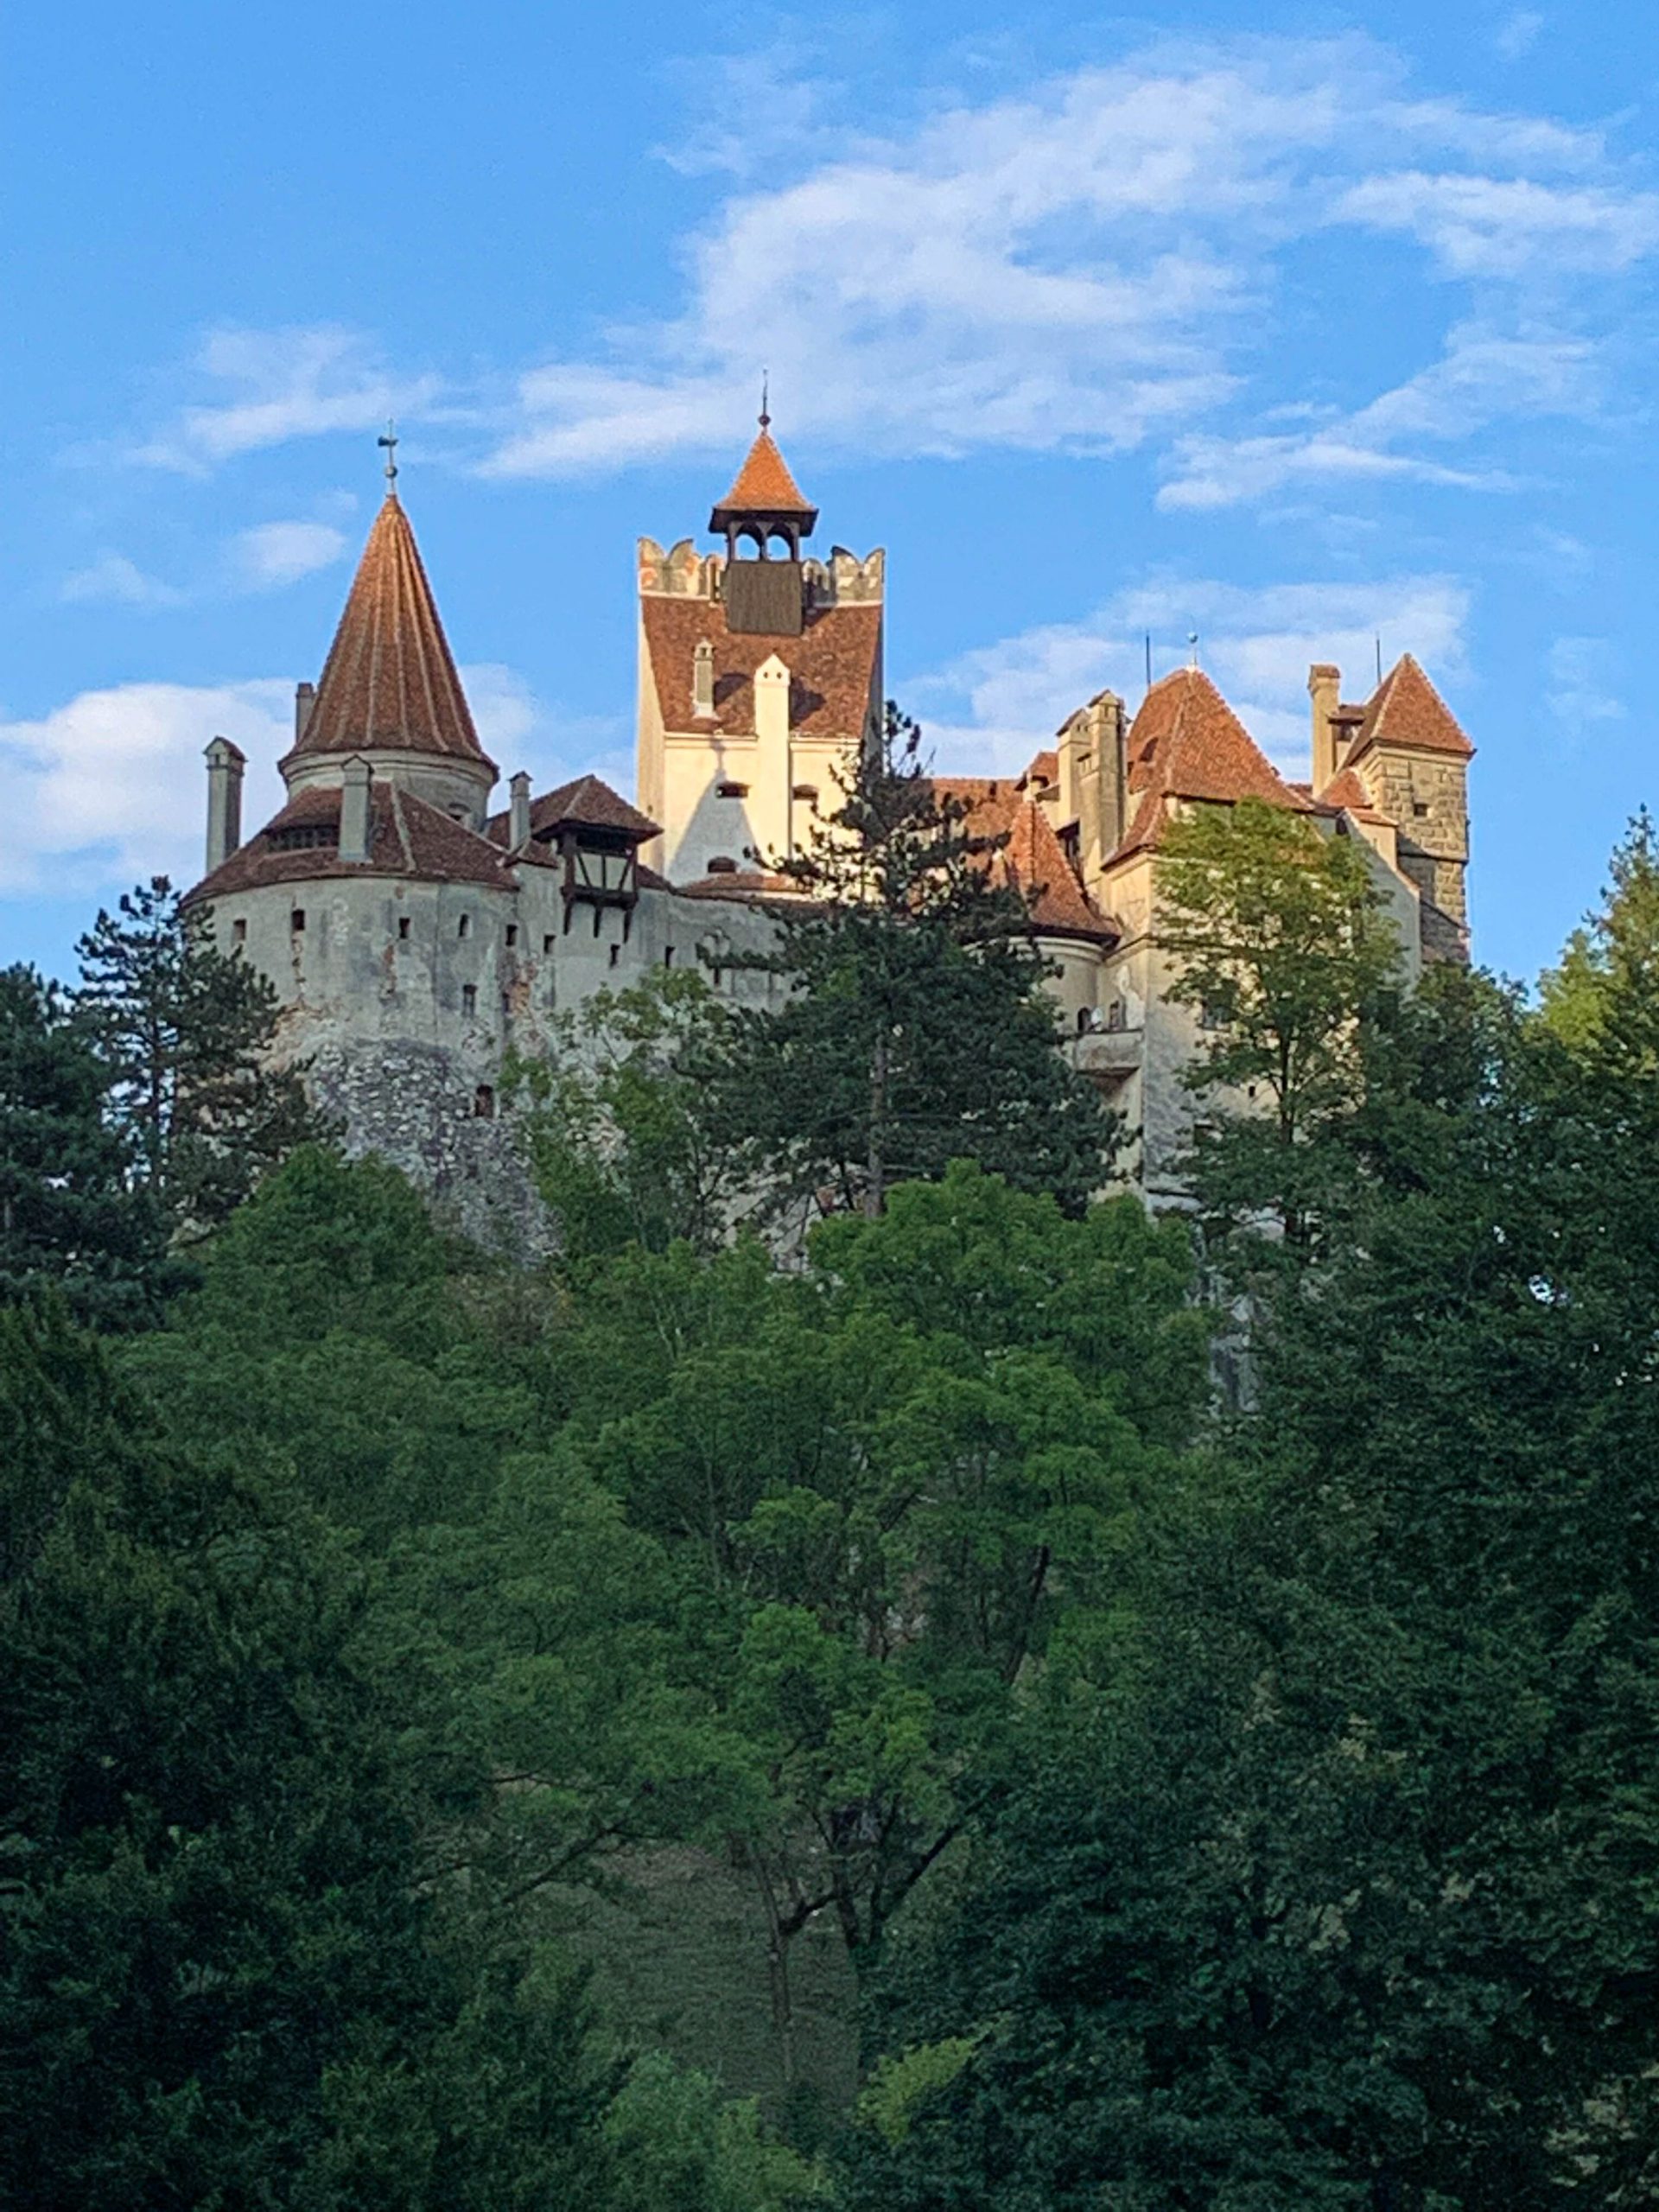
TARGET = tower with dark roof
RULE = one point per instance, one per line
(759, 675)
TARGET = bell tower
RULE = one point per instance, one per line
(760, 672)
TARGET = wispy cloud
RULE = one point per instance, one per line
(276, 553)
(1519, 32)
(269, 386)
(1579, 696)
(113, 579)
(1090, 267)
(991, 709)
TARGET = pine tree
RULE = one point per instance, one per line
(67, 1215)
(184, 1031)
(916, 1030)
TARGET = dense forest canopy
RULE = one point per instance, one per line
(1202, 1801)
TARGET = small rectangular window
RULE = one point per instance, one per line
(548, 942)
(297, 920)
(1419, 808)
(616, 955)
(469, 998)
(239, 932)
(402, 929)
(466, 925)
(668, 955)
(731, 791)
(506, 1004)
(512, 932)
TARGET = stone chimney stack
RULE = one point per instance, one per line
(354, 810)
(305, 697)
(1324, 690)
(702, 682)
(518, 813)
(226, 764)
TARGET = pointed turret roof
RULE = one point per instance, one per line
(389, 681)
(1406, 709)
(764, 488)
(1186, 742)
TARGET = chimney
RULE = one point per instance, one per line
(305, 697)
(518, 813)
(225, 763)
(1324, 690)
(354, 810)
(1102, 819)
(702, 682)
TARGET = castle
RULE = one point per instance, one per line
(415, 938)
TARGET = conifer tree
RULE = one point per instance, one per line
(67, 1215)
(184, 1033)
(916, 1030)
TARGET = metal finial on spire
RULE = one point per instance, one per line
(1192, 641)
(390, 441)
(765, 382)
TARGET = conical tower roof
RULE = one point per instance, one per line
(1406, 709)
(764, 488)
(389, 681)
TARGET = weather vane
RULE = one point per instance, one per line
(390, 441)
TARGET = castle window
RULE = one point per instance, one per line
(547, 942)
(512, 932)
(1419, 808)
(616, 956)
(239, 932)
(668, 955)
(1211, 1015)
(468, 999)
(296, 921)
(506, 1004)
(484, 1102)
(721, 865)
(806, 791)
(466, 926)
(402, 929)
(731, 791)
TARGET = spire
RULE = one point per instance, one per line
(765, 492)
(390, 683)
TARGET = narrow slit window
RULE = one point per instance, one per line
(616, 956)
(402, 929)
(466, 926)
(469, 998)
(239, 932)
(548, 942)
(296, 921)
(512, 933)
(668, 955)
(484, 1102)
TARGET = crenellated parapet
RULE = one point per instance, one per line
(846, 579)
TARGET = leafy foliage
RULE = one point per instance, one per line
(68, 1217)
(184, 1031)
(916, 1030)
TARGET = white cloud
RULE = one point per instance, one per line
(280, 384)
(115, 580)
(518, 731)
(1519, 33)
(1090, 267)
(1578, 694)
(988, 712)
(276, 553)
(110, 787)
(1483, 377)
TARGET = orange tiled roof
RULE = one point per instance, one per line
(389, 681)
(833, 666)
(1346, 790)
(1186, 742)
(407, 838)
(1045, 768)
(764, 485)
(1029, 858)
(746, 885)
(1406, 709)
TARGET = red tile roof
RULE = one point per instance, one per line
(1186, 743)
(389, 681)
(586, 802)
(1028, 857)
(407, 838)
(1346, 791)
(1045, 768)
(1406, 709)
(763, 487)
(833, 666)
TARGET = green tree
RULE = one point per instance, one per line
(1600, 999)
(231, 1972)
(67, 1214)
(185, 1034)
(916, 1030)
(624, 1148)
(1285, 953)
(1336, 1880)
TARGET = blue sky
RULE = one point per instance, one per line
(1290, 325)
